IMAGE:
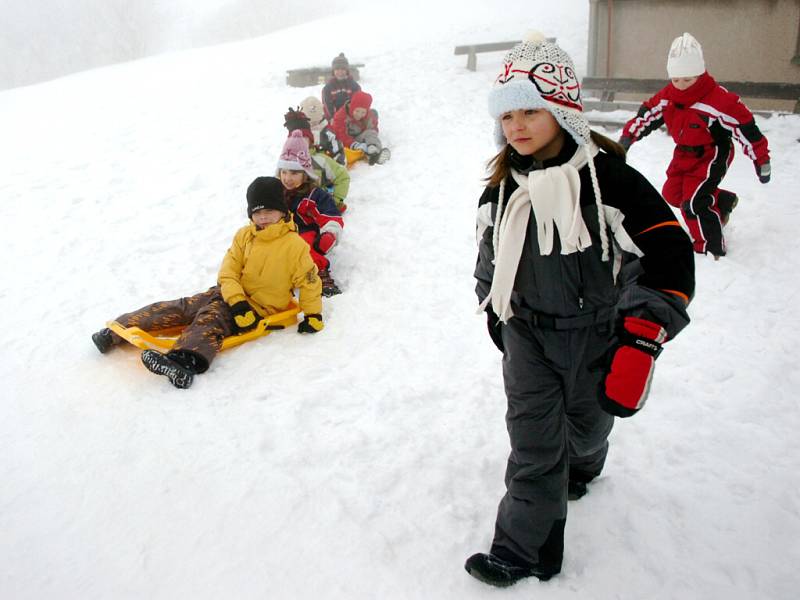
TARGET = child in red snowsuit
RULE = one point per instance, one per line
(702, 117)
(356, 126)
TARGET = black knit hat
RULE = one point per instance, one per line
(265, 192)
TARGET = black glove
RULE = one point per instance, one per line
(311, 324)
(625, 142)
(493, 324)
(245, 318)
(764, 172)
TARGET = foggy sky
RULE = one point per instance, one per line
(44, 39)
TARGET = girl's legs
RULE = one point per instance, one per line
(552, 414)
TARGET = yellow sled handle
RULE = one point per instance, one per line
(164, 340)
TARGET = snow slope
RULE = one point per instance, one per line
(366, 461)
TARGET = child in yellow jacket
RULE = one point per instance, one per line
(265, 263)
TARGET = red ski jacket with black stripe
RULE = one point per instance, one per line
(705, 114)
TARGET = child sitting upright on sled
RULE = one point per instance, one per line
(356, 126)
(318, 220)
(340, 87)
(265, 263)
(702, 117)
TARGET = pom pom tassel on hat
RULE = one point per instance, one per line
(538, 74)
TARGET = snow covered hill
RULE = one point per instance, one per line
(366, 461)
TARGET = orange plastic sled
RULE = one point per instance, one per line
(164, 340)
(353, 156)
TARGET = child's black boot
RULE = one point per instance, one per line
(495, 571)
(179, 375)
(103, 339)
(329, 287)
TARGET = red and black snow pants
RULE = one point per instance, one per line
(206, 319)
(693, 179)
(319, 259)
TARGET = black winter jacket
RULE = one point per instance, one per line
(650, 271)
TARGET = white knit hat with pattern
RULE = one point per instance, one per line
(539, 74)
(685, 58)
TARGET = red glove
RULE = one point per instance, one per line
(627, 383)
(325, 242)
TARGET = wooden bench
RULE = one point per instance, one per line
(315, 75)
(472, 50)
(608, 88)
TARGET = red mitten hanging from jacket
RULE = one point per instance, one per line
(325, 241)
(627, 384)
(307, 210)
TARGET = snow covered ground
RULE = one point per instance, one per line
(366, 461)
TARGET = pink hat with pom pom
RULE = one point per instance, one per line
(295, 155)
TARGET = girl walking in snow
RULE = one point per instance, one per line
(265, 263)
(561, 216)
(314, 210)
(702, 117)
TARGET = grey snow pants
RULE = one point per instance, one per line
(557, 432)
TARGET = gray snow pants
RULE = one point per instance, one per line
(370, 138)
(557, 432)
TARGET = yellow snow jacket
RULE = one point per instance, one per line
(264, 267)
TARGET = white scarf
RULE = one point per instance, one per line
(554, 196)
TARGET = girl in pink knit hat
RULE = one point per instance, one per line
(319, 222)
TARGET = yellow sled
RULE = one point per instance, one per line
(353, 156)
(164, 339)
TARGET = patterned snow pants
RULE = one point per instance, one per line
(557, 431)
(207, 318)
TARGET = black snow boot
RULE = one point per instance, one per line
(329, 287)
(726, 202)
(576, 489)
(103, 340)
(163, 364)
(495, 571)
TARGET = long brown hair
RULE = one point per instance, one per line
(500, 165)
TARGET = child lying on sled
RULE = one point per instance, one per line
(265, 263)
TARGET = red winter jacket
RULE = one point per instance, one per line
(705, 114)
(347, 128)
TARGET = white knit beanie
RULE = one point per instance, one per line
(685, 58)
(539, 74)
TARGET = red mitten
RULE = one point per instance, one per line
(325, 242)
(627, 383)
(307, 211)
